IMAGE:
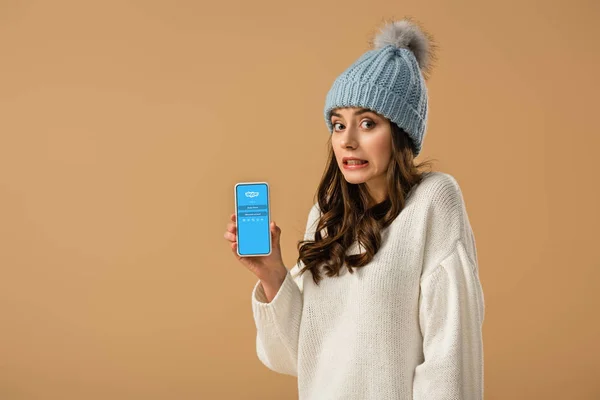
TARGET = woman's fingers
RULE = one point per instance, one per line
(231, 227)
(231, 230)
(234, 250)
(230, 236)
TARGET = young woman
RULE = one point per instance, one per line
(384, 301)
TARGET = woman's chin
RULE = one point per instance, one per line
(354, 179)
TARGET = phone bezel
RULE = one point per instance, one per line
(235, 196)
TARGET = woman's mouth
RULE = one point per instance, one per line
(355, 164)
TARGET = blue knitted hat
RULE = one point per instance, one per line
(389, 79)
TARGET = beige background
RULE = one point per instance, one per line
(124, 126)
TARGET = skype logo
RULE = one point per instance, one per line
(251, 194)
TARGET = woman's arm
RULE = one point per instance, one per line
(277, 314)
(451, 313)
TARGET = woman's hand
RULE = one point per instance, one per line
(269, 269)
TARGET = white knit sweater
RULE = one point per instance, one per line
(406, 326)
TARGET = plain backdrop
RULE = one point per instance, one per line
(124, 126)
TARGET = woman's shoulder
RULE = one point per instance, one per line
(447, 218)
(438, 186)
(440, 197)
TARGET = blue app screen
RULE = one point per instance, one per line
(254, 236)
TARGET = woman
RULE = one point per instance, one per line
(384, 301)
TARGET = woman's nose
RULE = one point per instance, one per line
(349, 139)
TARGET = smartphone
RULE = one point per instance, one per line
(253, 218)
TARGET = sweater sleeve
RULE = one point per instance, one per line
(451, 313)
(278, 322)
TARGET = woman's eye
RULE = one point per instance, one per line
(367, 121)
(370, 122)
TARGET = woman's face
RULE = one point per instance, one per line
(364, 134)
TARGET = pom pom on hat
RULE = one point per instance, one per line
(408, 34)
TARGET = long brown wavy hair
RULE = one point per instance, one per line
(347, 216)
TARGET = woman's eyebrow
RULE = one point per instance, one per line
(357, 112)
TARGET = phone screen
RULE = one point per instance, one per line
(253, 218)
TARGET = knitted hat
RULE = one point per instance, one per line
(389, 80)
